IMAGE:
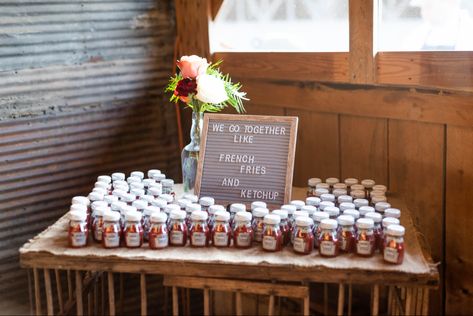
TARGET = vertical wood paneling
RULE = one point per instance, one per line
(318, 150)
(364, 148)
(459, 221)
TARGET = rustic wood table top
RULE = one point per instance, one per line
(49, 250)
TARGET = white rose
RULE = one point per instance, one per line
(211, 89)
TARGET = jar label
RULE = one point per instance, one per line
(177, 238)
(391, 254)
(98, 233)
(133, 239)
(363, 247)
(198, 239)
(159, 241)
(112, 240)
(243, 239)
(269, 243)
(78, 239)
(299, 244)
(220, 239)
(327, 248)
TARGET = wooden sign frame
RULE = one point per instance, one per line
(291, 120)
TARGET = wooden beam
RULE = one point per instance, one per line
(215, 6)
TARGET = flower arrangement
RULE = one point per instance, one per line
(203, 87)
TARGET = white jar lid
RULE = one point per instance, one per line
(78, 208)
(152, 172)
(322, 186)
(358, 194)
(159, 177)
(127, 208)
(378, 198)
(191, 197)
(119, 182)
(116, 206)
(155, 185)
(381, 206)
(206, 201)
(360, 202)
(377, 193)
(147, 198)
(80, 200)
(147, 182)
(312, 182)
(105, 179)
(79, 216)
(101, 185)
(158, 217)
(96, 204)
(193, 207)
(368, 183)
(167, 182)
(281, 213)
(332, 211)
(155, 190)
(111, 216)
(166, 197)
(357, 187)
(340, 185)
(237, 207)
(339, 192)
(319, 216)
(100, 190)
(177, 213)
(345, 219)
(297, 203)
(303, 221)
(118, 176)
(327, 197)
(365, 209)
(289, 208)
(346, 206)
(389, 221)
(310, 209)
(137, 192)
(123, 188)
(140, 204)
(199, 215)
(110, 199)
(257, 204)
(215, 208)
(392, 212)
(128, 197)
(95, 196)
(320, 191)
(380, 187)
(396, 230)
(222, 216)
(183, 203)
(344, 199)
(325, 204)
(133, 179)
(332, 181)
(313, 200)
(137, 185)
(150, 209)
(351, 181)
(300, 213)
(272, 219)
(328, 224)
(243, 217)
(137, 174)
(169, 208)
(260, 212)
(352, 212)
(100, 210)
(159, 203)
(365, 223)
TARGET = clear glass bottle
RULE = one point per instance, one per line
(339, 192)
(168, 186)
(133, 231)
(368, 184)
(346, 233)
(378, 198)
(243, 232)
(377, 228)
(311, 186)
(199, 233)
(177, 228)
(158, 231)
(84, 208)
(332, 181)
(78, 231)
(169, 208)
(222, 232)
(295, 216)
(258, 225)
(318, 217)
(328, 238)
(365, 239)
(183, 203)
(394, 244)
(303, 236)
(284, 226)
(112, 231)
(190, 153)
(272, 235)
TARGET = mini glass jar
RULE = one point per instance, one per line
(140, 205)
(352, 212)
(380, 187)
(78, 230)
(105, 179)
(311, 185)
(310, 209)
(105, 186)
(138, 193)
(221, 232)
(190, 208)
(183, 203)
(346, 206)
(374, 193)
(95, 204)
(133, 232)
(159, 177)
(360, 202)
(377, 228)
(159, 203)
(138, 174)
(290, 209)
(323, 185)
(344, 199)
(284, 226)
(318, 217)
(303, 235)
(346, 233)
(272, 235)
(384, 224)
(313, 200)
(155, 191)
(350, 182)
(137, 185)
(332, 181)
(168, 186)
(128, 198)
(258, 225)
(132, 179)
(95, 196)
(357, 194)
(212, 210)
(298, 204)
(365, 239)
(365, 209)
(199, 233)
(392, 212)
(177, 228)
(206, 202)
(118, 176)
(156, 185)
(152, 172)
(381, 206)
(167, 197)
(158, 231)
(146, 219)
(100, 191)
(394, 244)
(332, 211)
(243, 232)
(328, 197)
(148, 198)
(123, 210)
(110, 199)
(325, 204)
(191, 197)
(97, 224)
(321, 191)
(339, 186)
(117, 183)
(378, 198)
(257, 204)
(81, 200)
(328, 238)
(235, 208)
(339, 192)
(112, 230)
(368, 185)
(148, 183)
(169, 208)
(119, 192)
(83, 209)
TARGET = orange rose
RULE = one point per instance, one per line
(192, 66)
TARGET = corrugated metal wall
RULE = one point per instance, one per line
(80, 95)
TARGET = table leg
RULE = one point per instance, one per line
(239, 310)
(144, 303)
(111, 294)
(30, 291)
(375, 309)
(37, 291)
(175, 301)
(307, 305)
(341, 298)
(206, 302)
(271, 305)
(80, 308)
(70, 289)
(49, 292)
(59, 290)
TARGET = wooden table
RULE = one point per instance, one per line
(416, 275)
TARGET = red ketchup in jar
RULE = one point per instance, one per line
(394, 244)
(303, 236)
(272, 236)
(346, 233)
(328, 238)
(199, 233)
(78, 232)
(365, 239)
(222, 232)
(243, 232)
(158, 233)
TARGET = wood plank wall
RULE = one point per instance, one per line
(80, 95)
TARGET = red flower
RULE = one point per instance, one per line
(184, 88)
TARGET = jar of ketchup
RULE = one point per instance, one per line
(284, 226)
(384, 224)
(365, 240)
(346, 233)
(222, 232)
(97, 224)
(235, 208)
(377, 228)
(78, 231)
(303, 235)
(258, 225)
(206, 202)
(177, 228)
(243, 232)
(316, 229)
(158, 232)
(133, 230)
(328, 238)
(212, 210)
(199, 233)
(190, 208)
(394, 244)
(290, 209)
(272, 235)
(112, 231)
(146, 220)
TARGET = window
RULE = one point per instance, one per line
(281, 26)
(425, 25)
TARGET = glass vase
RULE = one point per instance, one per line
(190, 153)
